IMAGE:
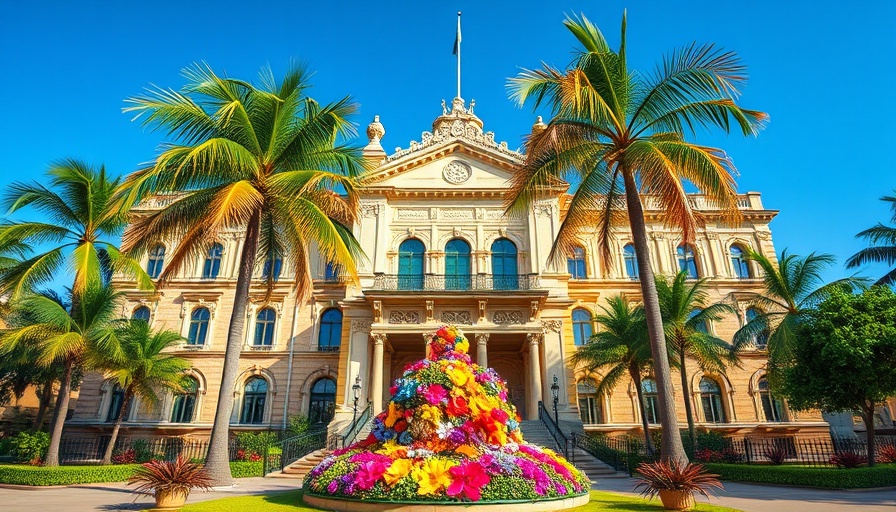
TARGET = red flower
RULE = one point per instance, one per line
(400, 426)
(457, 406)
(469, 478)
(500, 415)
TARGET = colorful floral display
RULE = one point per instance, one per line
(449, 433)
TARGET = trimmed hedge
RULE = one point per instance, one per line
(881, 475)
(20, 474)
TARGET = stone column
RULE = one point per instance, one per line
(482, 350)
(376, 384)
(534, 375)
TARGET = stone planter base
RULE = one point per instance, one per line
(170, 500)
(341, 505)
(677, 500)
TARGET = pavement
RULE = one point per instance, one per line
(747, 497)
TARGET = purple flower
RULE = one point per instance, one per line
(333, 487)
(457, 436)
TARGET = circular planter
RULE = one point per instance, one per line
(676, 500)
(171, 500)
(346, 505)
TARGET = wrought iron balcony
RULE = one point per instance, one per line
(462, 283)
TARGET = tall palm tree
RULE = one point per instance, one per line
(882, 241)
(265, 160)
(793, 286)
(81, 222)
(621, 135)
(684, 305)
(66, 337)
(144, 370)
(621, 348)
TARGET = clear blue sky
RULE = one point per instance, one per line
(823, 70)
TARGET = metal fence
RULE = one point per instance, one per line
(289, 450)
(441, 282)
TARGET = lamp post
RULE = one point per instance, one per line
(356, 391)
(555, 390)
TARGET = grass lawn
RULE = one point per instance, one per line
(292, 502)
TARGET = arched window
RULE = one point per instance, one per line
(198, 326)
(213, 261)
(185, 402)
(457, 265)
(330, 331)
(115, 403)
(504, 265)
(156, 260)
(255, 394)
(576, 263)
(699, 326)
(323, 401)
(272, 265)
(740, 263)
(410, 265)
(651, 400)
(711, 398)
(141, 313)
(589, 404)
(761, 339)
(264, 327)
(581, 326)
(687, 262)
(772, 408)
(631, 261)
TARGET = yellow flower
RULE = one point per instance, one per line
(458, 376)
(393, 449)
(432, 476)
(397, 471)
(462, 346)
(395, 413)
(468, 450)
(429, 413)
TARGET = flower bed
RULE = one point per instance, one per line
(449, 434)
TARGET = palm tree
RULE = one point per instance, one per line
(793, 286)
(686, 316)
(82, 220)
(882, 240)
(68, 338)
(144, 370)
(265, 160)
(620, 134)
(621, 348)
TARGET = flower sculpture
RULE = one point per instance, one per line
(448, 434)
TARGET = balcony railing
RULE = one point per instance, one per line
(462, 283)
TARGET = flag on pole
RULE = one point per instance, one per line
(457, 38)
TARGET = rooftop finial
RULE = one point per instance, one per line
(375, 130)
(539, 126)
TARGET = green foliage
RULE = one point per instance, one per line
(19, 474)
(30, 447)
(883, 475)
(298, 424)
(255, 442)
(502, 487)
(242, 469)
(143, 451)
(882, 245)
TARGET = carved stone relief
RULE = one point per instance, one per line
(502, 317)
(457, 317)
(404, 317)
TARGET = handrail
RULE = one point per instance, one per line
(558, 435)
(349, 434)
(293, 449)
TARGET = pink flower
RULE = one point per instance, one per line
(434, 393)
(369, 473)
(469, 478)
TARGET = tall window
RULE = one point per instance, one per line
(141, 313)
(457, 265)
(323, 401)
(740, 263)
(115, 403)
(772, 408)
(185, 402)
(699, 326)
(589, 405)
(330, 330)
(410, 265)
(631, 261)
(264, 327)
(198, 326)
(272, 268)
(581, 326)
(332, 273)
(576, 263)
(687, 262)
(651, 401)
(213, 261)
(761, 339)
(254, 396)
(156, 260)
(711, 398)
(504, 265)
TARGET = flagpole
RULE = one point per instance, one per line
(458, 54)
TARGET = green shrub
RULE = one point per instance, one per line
(298, 424)
(246, 469)
(31, 447)
(882, 475)
(255, 442)
(20, 474)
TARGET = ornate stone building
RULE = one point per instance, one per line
(439, 249)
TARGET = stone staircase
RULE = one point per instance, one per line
(301, 467)
(535, 432)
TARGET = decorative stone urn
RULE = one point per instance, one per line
(677, 500)
(171, 500)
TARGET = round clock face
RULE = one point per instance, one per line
(456, 172)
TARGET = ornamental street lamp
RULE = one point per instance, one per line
(555, 390)
(356, 391)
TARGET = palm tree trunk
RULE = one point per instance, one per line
(868, 418)
(217, 462)
(648, 441)
(46, 395)
(672, 449)
(685, 390)
(65, 389)
(107, 457)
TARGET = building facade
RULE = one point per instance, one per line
(440, 250)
